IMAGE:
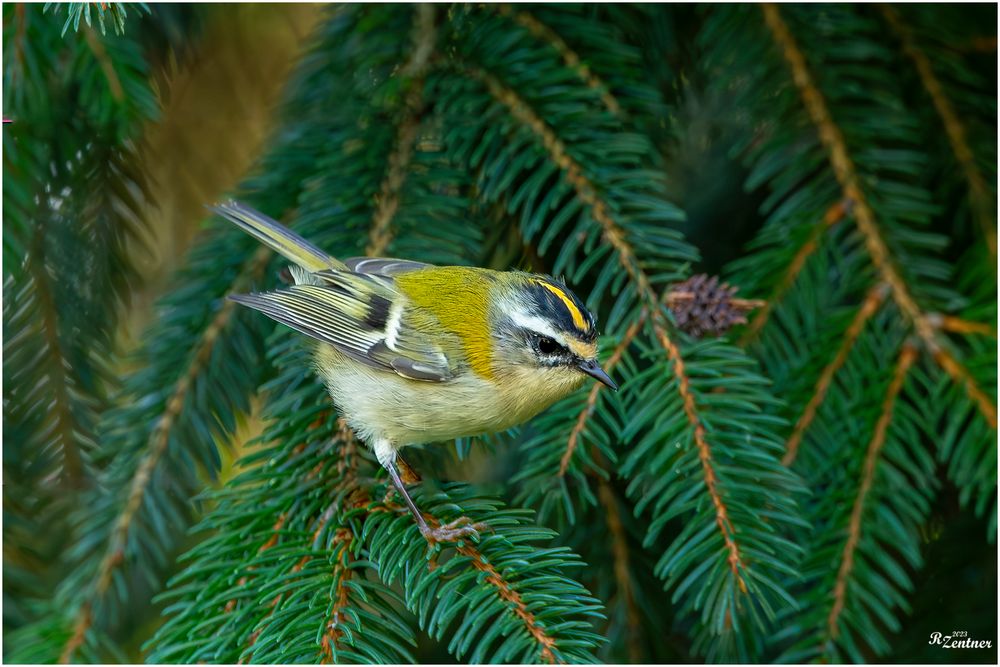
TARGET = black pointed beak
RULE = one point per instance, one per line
(594, 370)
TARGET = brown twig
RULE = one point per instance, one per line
(508, 594)
(983, 44)
(906, 359)
(83, 622)
(847, 176)
(961, 375)
(960, 326)
(615, 236)
(342, 574)
(833, 215)
(983, 206)
(157, 445)
(868, 308)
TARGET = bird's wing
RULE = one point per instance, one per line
(361, 315)
(383, 266)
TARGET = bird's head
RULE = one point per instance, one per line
(547, 336)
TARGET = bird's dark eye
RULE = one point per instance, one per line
(548, 346)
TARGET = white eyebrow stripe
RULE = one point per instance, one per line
(538, 325)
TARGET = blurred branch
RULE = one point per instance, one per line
(62, 412)
(156, 447)
(622, 566)
(983, 205)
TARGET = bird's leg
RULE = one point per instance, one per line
(449, 532)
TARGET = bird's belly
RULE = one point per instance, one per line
(379, 404)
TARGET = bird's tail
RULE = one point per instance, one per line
(276, 236)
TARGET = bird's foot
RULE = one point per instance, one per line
(453, 531)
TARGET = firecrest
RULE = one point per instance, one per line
(414, 353)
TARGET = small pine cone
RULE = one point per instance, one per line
(701, 306)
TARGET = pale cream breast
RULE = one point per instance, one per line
(379, 404)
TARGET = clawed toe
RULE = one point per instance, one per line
(456, 530)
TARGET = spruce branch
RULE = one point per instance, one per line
(906, 359)
(615, 236)
(736, 562)
(837, 212)
(281, 561)
(868, 308)
(526, 612)
(846, 174)
(878, 476)
(983, 202)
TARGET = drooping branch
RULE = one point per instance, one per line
(906, 359)
(868, 308)
(847, 176)
(983, 206)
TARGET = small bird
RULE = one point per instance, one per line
(414, 353)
